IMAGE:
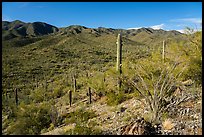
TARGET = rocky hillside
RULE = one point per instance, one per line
(66, 82)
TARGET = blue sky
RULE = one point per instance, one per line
(125, 15)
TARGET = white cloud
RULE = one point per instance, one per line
(188, 20)
(153, 27)
(181, 30)
(135, 28)
(157, 26)
(186, 32)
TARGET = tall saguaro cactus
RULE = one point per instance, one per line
(163, 51)
(119, 59)
(119, 54)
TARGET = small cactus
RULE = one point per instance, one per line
(74, 80)
(89, 94)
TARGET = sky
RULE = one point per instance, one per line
(123, 15)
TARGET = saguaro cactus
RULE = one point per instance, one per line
(119, 54)
(70, 98)
(16, 96)
(119, 59)
(74, 80)
(89, 94)
(163, 51)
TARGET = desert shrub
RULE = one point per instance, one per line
(38, 95)
(31, 119)
(79, 116)
(83, 126)
(115, 98)
(97, 82)
(189, 52)
(83, 130)
(194, 70)
(58, 92)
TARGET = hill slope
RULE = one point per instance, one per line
(42, 71)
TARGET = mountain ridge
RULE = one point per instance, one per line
(18, 28)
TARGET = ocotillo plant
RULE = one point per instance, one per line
(70, 98)
(163, 51)
(119, 59)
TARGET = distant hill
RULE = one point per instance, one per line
(21, 29)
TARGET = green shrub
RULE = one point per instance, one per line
(115, 99)
(194, 70)
(30, 119)
(79, 116)
(83, 130)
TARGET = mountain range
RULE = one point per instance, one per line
(18, 28)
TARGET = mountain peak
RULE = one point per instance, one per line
(18, 28)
